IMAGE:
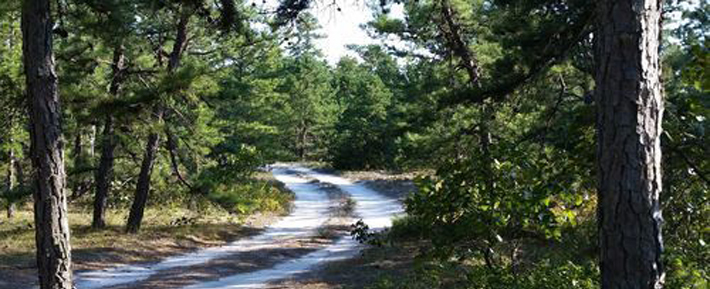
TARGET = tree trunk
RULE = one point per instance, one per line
(104, 174)
(78, 156)
(19, 184)
(171, 144)
(629, 112)
(92, 141)
(180, 42)
(302, 135)
(451, 30)
(11, 183)
(51, 226)
(143, 187)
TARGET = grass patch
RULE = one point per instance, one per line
(161, 235)
(260, 194)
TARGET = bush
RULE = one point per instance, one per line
(545, 275)
(682, 272)
(251, 197)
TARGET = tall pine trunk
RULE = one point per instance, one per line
(629, 112)
(46, 151)
(104, 173)
(143, 187)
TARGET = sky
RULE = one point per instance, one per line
(341, 28)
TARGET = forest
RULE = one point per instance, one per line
(484, 144)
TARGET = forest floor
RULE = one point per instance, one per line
(98, 250)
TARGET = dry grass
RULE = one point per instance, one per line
(161, 235)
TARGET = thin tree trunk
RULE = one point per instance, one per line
(302, 139)
(11, 183)
(484, 134)
(78, 156)
(92, 141)
(171, 143)
(180, 42)
(51, 226)
(19, 184)
(629, 113)
(451, 29)
(143, 187)
(104, 174)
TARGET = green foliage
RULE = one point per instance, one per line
(246, 198)
(683, 267)
(230, 166)
(536, 62)
(362, 139)
(686, 209)
(513, 152)
(544, 275)
(535, 166)
(309, 105)
(459, 211)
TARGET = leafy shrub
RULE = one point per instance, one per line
(250, 197)
(545, 275)
(458, 211)
(682, 272)
(408, 228)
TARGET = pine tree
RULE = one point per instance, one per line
(52, 228)
(630, 105)
(364, 100)
(135, 217)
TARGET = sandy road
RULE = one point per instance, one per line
(309, 213)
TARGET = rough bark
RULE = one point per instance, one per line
(143, 187)
(629, 112)
(104, 174)
(46, 151)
